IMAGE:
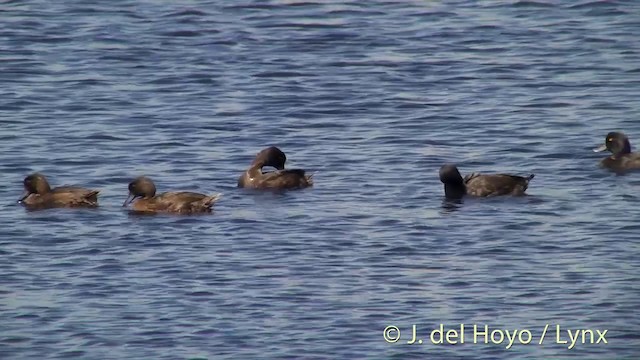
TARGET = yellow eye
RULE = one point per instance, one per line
(610, 139)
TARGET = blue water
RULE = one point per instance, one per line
(371, 96)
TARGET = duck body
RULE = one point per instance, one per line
(279, 179)
(482, 185)
(621, 159)
(39, 195)
(181, 202)
(255, 178)
(142, 192)
(621, 163)
(485, 185)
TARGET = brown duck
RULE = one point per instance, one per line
(255, 178)
(481, 185)
(182, 202)
(39, 195)
(621, 159)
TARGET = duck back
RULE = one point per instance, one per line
(279, 179)
(496, 184)
(182, 202)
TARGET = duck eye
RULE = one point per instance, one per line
(610, 139)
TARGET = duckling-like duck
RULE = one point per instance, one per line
(39, 195)
(182, 202)
(622, 159)
(481, 185)
(255, 178)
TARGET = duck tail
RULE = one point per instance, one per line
(309, 178)
(91, 197)
(210, 200)
(531, 176)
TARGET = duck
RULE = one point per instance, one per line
(180, 202)
(481, 185)
(621, 159)
(255, 178)
(39, 194)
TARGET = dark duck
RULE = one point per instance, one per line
(180, 202)
(621, 159)
(255, 178)
(481, 185)
(39, 195)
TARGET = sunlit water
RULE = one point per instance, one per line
(371, 96)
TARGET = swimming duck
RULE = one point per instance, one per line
(39, 195)
(182, 202)
(255, 178)
(622, 158)
(481, 185)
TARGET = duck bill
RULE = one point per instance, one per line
(600, 148)
(128, 200)
(24, 196)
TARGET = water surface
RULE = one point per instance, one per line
(373, 97)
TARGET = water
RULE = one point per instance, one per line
(370, 96)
